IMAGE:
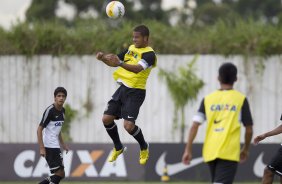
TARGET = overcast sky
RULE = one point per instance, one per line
(12, 11)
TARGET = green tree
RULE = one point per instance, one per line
(40, 10)
(82, 6)
(210, 13)
(70, 114)
(45, 9)
(183, 87)
(151, 10)
(266, 9)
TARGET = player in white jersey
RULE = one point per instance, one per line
(275, 165)
(50, 139)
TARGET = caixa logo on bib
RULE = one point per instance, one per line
(78, 163)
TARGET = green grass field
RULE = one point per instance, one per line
(110, 182)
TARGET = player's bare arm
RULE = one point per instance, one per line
(133, 68)
(276, 131)
(187, 155)
(109, 59)
(113, 61)
(245, 150)
(64, 146)
(40, 141)
(259, 138)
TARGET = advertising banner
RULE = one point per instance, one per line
(84, 162)
(88, 162)
(167, 157)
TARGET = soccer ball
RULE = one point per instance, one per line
(115, 9)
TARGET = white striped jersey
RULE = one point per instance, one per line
(52, 121)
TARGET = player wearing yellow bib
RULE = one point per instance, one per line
(223, 110)
(134, 67)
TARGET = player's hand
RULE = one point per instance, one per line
(187, 157)
(99, 55)
(109, 59)
(259, 138)
(244, 155)
(66, 148)
(42, 152)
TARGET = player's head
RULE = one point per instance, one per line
(141, 36)
(60, 95)
(60, 90)
(227, 73)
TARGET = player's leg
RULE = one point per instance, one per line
(212, 167)
(275, 167)
(111, 113)
(54, 159)
(129, 112)
(132, 101)
(46, 180)
(225, 171)
(54, 179)
(58, 176)
(112, 130)
(136, 132)
(268, 176)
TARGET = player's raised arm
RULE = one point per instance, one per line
(109, 59)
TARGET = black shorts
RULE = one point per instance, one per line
(54, 158)
(223, 171)
(275, 164)
(126, 103)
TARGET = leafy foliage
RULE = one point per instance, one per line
(203, 12)
(40, 10)
(183, 87)
(85, 37)
(70, 114)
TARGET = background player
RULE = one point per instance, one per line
(223, 110)
(50, 140)
(275, 166)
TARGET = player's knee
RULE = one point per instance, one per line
(107, 119)
(128, 126)
(267, 172)
(61, 173)
(104, 120)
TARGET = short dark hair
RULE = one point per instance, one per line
(60, 89)
(227, 73)
(144, 30)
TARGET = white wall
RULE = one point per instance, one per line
(27, 87)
